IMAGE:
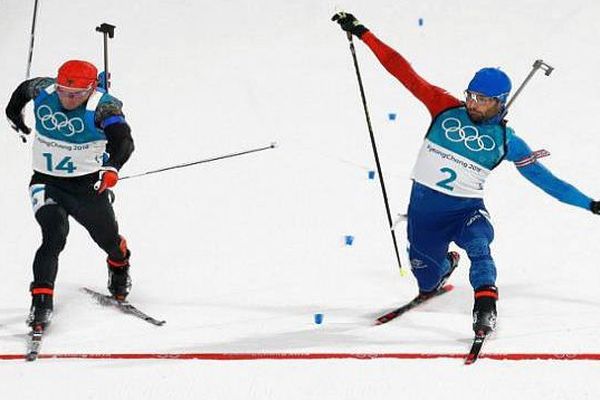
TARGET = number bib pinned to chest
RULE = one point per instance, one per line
(457, 155)
(67, 143)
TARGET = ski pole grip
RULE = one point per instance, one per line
(107, 29)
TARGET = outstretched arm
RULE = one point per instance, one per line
(528, 165)
(434, 98)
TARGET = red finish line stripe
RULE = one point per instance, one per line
(307, 356)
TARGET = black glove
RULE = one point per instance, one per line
(17, 123)
(350, 24)
(595, 207)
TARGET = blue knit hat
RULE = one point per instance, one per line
(491, 82)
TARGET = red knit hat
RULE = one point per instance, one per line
(77, 74)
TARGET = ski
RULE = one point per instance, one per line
(410, 305)
(123, 306)
(475, 347)
(34, 343)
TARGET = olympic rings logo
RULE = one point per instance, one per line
(455, 132)
(59, 121)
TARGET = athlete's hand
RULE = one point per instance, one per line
(595, 207)
(17, 122)
(349, 23)
(107, 178)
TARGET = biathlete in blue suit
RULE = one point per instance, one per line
(464, 143)
(81, 141)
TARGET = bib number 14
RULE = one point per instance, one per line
(446, 183)
(66, 164)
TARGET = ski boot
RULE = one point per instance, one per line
(119, 282)
(484, 310)
(40, 313)
(453, 257)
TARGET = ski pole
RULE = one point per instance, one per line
(32, 39)
(375, 153)
(207, 160)
(108, 31)
(538, 64)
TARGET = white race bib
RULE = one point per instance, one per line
(60, 158)
(449, 173)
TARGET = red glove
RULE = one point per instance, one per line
(108, 178)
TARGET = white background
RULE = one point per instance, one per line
(237, 255)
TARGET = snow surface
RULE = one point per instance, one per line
(237, 255)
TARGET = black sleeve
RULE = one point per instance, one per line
(120, 144)
(25, 92)
(18, 100)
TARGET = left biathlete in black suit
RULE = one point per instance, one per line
(81, 141)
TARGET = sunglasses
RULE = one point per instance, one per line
(478, 98)
(74, 93)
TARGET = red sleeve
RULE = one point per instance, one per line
(434, 98)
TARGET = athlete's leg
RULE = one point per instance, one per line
(429, 237)
(54, 223)
(96, 214)
(476, 235)
(475, 238)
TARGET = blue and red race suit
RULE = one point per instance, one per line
(457, 155)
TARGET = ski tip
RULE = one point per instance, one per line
(470, 360)
(473, 355)
(448, 287)
(384, 319)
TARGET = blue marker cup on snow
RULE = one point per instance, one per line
(318, 318)
(392, 116)
(371, 174)
(348, 240)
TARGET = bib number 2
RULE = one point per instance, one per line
(446, 183)
(66, 164)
